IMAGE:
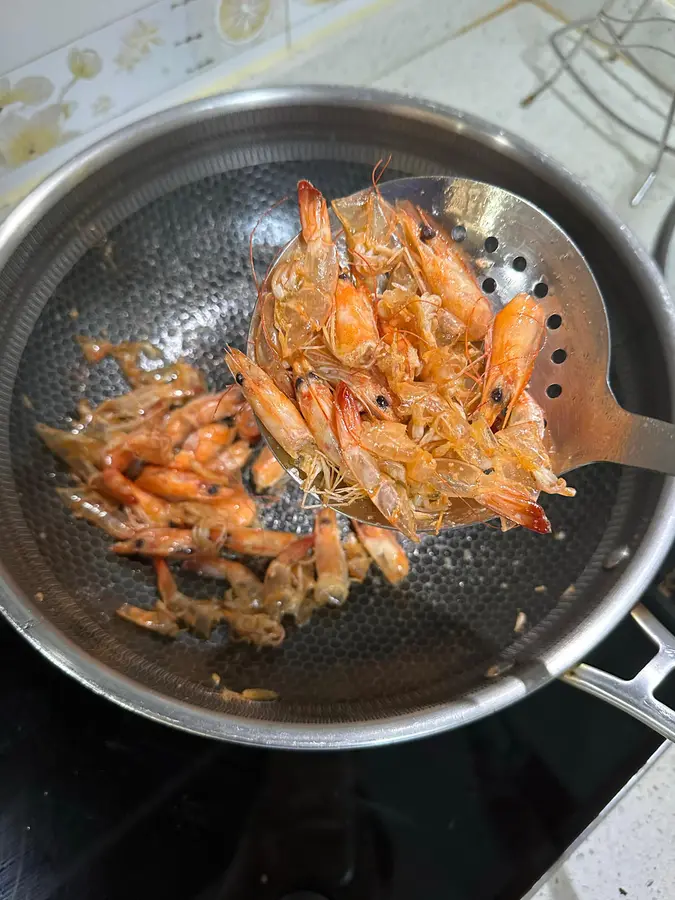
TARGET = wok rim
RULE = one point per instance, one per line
(476, 703)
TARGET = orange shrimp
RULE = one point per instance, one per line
(277, 413)
(266, 471)
(144, 443)
(369, 225)
(352, 331)
(237, 510)
(385, 551)
(368, 387)
(397, 358)
(175, 543)
(231, 460)
(200, 616)
(79, 451)
(416, 316)
(332, 575)
(258, 541)
(158, 620)
(321, 258)
(147, 401)
(126, 354)
(303, 282)
(389, 497)
(447, 273)
(207, 441)
(247, 424)
(153, 510)
(246, 589)
(87, 504)
(527, 411)
(513, 344)
(389, 441)
(315, 400)
(176, 484)
(284, 588)
(514, 504)
(267, 347)
(256, 628)
(523, 442)
(202, 411)
(358, 561)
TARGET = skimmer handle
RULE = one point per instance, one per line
(644, 443)
(611, 434)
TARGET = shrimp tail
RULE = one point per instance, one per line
(517, 507)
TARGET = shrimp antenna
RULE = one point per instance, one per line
(379, 169)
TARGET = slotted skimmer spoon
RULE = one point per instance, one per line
(514, 247)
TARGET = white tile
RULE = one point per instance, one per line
(395, 34)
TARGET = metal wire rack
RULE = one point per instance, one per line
(642, 37)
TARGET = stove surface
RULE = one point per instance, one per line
(99, 804)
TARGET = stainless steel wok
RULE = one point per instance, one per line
(146, 234)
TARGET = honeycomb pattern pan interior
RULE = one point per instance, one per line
(171, 265)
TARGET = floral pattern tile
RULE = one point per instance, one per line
(74, 90)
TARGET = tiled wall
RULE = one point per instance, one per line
(70, 92)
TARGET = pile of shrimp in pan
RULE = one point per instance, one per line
(160, 470)
(383, 372)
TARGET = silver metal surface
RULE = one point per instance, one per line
(636, 696)
(143, 186)
(570, 378)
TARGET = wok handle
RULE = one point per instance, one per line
(636, 696)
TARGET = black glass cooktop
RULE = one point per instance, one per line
(99, 804)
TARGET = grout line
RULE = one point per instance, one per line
(487, 17)
(546, 7)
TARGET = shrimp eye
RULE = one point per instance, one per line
(344, 276)
(299, 381)
(139, 543)
(239, 378)
(213, 489)
(427, 233)
(488, 471)
(497, 395)
(381, 401)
